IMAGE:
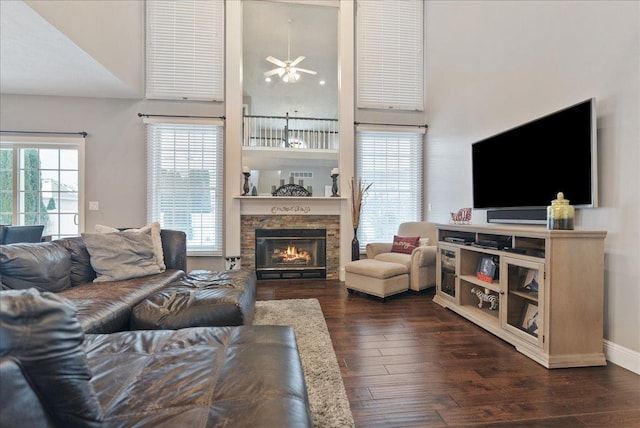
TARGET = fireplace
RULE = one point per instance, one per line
(290, 253)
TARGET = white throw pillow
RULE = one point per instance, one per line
(155, 236)
(424, 242)
(122, 255)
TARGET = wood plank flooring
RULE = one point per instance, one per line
(408, 362)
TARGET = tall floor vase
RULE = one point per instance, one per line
(355, 245)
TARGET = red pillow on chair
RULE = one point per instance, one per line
(404, 244)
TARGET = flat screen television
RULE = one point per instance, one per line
(525, 167)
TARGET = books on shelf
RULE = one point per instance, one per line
(486, 269)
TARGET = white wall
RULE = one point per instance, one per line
(115, 149)
(492, 65)
(112, 32)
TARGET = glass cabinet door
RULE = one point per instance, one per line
(448, 260)
(524, 310)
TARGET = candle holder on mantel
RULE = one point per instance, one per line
(246, 188)
(334, 186)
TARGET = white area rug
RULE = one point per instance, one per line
(327, 396)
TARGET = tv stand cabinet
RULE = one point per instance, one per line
(543, 293)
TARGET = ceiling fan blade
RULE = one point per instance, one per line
(276, 61)
(297, 61)
(305, 71)
(272, 72)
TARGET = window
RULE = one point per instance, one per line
(391, 159)
(390, 54)
(185, 180)
(185, 50)
(41, 182)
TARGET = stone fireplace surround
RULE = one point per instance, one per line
(249, 223)
(263, 212)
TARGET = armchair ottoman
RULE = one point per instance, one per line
(378, 278)
(421, 262)
(380, 273)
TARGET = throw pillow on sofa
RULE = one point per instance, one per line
(41, 331)
(404, 244)
(155, 236)
(121, 255)
(43, 265)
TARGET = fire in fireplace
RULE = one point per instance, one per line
(291, 253)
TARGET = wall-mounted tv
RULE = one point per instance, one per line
(525, 167)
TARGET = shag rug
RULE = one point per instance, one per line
(327, 396)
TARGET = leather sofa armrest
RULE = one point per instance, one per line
(174, 247)
(375, 248)
(19, 403)
(42, 332)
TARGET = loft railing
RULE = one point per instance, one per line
(286, 132)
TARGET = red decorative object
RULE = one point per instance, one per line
(404, 244)
(463, 216)
(485, 278)
(486, 269)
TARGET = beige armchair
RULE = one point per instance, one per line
(421, 263)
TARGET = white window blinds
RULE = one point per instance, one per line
(390, 54)
(185, 181)
(185, 50)
(392, 161)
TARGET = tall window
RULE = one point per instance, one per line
(392, 161)
(41, 182)
(185, 181)
(390, 54)
(185, 50)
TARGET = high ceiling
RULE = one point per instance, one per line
(38, 59)
(314, 34)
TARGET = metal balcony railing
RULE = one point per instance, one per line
(286, 132)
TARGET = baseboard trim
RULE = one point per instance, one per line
(621, 356)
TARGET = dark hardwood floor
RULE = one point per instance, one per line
(408, 362)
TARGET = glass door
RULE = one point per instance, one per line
(448, 257)
(523, 312)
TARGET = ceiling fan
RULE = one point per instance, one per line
(287, 70)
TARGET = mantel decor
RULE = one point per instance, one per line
(359, 190)
(334, 185)
(247, 173)
(291, 190)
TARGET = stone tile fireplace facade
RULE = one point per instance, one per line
(249, 223)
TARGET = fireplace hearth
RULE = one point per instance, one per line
(290, 253)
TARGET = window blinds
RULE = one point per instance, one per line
(185, 181)
(390, 54)
(392, 161)
(185, 50)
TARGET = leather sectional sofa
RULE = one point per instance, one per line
(69, 357)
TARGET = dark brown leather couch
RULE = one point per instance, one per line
(67, 358)
(63, 266)
(52, 375)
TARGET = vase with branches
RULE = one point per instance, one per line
(359, 191)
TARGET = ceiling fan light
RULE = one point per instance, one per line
(287, 70)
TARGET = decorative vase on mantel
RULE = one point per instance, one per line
(355, 245)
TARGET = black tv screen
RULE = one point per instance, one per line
(526, 166)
